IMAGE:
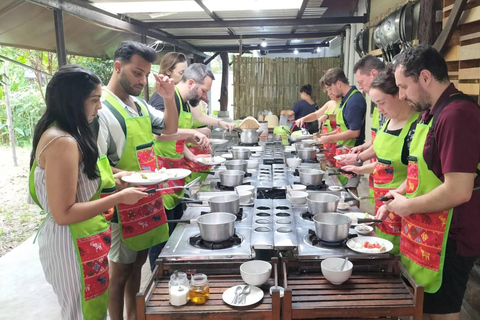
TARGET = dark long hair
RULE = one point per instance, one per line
(66, 93)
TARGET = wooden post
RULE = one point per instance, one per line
(224, 87)
(11, 134)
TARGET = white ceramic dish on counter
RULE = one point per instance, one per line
(335, 188)
(294, 162)
(255, 272)
(296, 187)
(252, 164)
(363, 229)
(227, 156)
(297, 197)
(330, 270)
(245, 188)
(245, 196)
(255, 295)
(358, 245)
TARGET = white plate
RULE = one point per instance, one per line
(352, 244)
(311, 141)
(174, 174)
(358, 215)
(335, 188)
(256, 294)
(339, 157)
(211, 161)
(363, 229)
(227, 156)
(145, 178)
(256, 155)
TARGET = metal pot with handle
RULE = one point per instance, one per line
(331, 226)
(249, 136)
(311, 177)
(237, 165)
(229, 203)
(231, 178)
(322, 202)
(215, 226)
(241, 153)
(308, 153)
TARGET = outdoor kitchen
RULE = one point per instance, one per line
(293, 234)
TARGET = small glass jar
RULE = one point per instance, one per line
(199, 288)
(178, 289)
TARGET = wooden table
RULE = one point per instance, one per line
(364, 295)
(153, 301)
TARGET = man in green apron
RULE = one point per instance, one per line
(171, 150)
(126, 124)
(350, 118)
(440, 211)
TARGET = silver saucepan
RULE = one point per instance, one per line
(331, 226)
(308, 153)
(241, 153)
(237, 165)
(231, 178)
(322, 202)
(229, 203)
(311, 177)
(215, 226)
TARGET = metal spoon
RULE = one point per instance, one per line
(238, 291)
(244, 294)
(343, 264)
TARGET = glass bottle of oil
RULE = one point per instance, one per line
(199, 288)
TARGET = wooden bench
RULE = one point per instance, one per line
(153, 301)
(365, 295)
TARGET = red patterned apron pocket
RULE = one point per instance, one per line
(197, 166)
(94, 257)
(383, 172)
(171, 183)
(412, 175)
(142, 216)
(339, 150)
(146, 157)
(196, 150)
(180, 146)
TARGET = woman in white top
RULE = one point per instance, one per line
(65, 181)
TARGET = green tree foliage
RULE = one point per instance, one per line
(27, 88)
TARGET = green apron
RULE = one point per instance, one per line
(91, 240)
(343, 146)
(424, 237)
(170, 155)
(143, 224)
(197, 150)
(388, 174)
(374, 129)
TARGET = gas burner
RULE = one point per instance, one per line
(307, 216)
(253, 144)
(197, 242)
(221, 187)
(269, 193)
(239, 214)
(317, 187)
(314, 241)
(296, 173)
(247, 174)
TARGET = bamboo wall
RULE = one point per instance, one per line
(274, 84)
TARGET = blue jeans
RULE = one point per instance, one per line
(154, 252)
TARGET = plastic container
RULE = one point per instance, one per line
(178, 289)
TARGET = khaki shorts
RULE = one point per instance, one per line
(119, 252)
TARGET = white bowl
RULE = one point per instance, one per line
(252, 164)
(297, 197)
(335, 188)
(255, 272)
(330, 270)
(296, 187)
(244, 188)
(294, 162)
(245, 196)
(363, 229)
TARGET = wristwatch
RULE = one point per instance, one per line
(359, 160)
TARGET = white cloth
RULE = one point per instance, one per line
(111, 138)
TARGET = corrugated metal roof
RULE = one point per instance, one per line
(24, 23)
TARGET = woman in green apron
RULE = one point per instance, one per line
(391, 146)
(66, 180)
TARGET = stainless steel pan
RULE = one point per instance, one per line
(331, 226)
(231, 178)
(237, 165)
(215, 226)
(229, 203)
(322, 202)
